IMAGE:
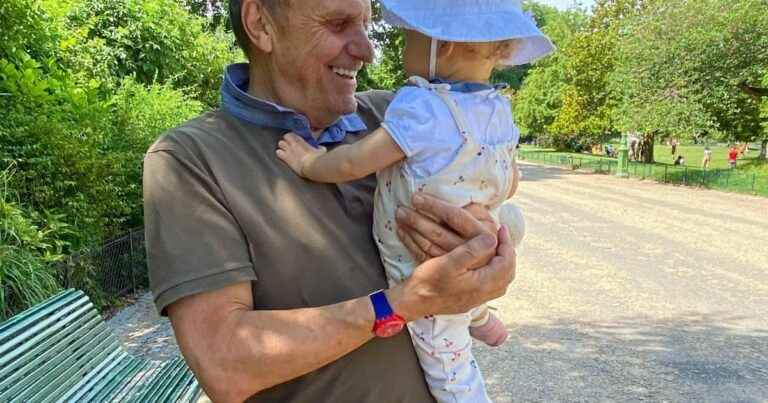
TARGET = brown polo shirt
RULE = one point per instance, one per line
(220, 208)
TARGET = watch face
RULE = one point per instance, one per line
(389, 328)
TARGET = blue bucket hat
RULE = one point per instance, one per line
(472, 21)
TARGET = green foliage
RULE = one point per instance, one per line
(26, 28)
(139, 115)
(150, 40)
(26, 251)
(588, 102)
(51, 131)
(539, 101)
(78, 148)
(681, 63)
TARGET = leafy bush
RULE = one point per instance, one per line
(139, 115)
(78, 155)
(25, 27)
(150, 40)
(51, 131)
(26, 252)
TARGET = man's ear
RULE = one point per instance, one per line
(258, 25)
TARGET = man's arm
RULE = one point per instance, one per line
(236, 352)
(344, 163)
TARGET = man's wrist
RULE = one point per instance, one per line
(402, 303)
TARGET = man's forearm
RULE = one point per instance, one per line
(247, 351)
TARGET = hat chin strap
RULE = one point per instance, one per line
(432, 59)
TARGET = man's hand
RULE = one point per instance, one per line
(295, 152)
(448, 284)
(435, 227)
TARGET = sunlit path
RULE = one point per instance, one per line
(633, 291)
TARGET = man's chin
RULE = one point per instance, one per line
(347, 105)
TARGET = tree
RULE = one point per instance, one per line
(588, 107)
(684, 65)
(150, 40)
(540, 98)
(760, 95)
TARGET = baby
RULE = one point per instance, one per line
(450, 134)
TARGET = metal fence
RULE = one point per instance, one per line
(116, 268)
(721, 179)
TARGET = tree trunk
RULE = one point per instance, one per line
(763, 149)
(645, 147)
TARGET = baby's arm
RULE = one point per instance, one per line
(344, 163)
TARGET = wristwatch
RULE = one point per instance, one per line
(387, 323)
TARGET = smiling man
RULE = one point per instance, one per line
(270, 281)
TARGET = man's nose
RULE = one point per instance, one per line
(360, 47)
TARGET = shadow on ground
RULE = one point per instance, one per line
(692, 358)
(535, 172)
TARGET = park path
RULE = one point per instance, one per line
(627, 291)
(634, 291)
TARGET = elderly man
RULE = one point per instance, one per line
(270, 281)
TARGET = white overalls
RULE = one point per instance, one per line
(480, 174)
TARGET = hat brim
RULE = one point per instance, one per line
(474, 26)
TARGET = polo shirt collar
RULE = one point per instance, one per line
(236, 101)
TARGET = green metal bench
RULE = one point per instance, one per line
(62, 351)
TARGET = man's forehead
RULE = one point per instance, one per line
(335, 8)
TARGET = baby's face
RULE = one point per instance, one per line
(416, 54)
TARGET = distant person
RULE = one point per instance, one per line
(680, 161)
(707, 158)
(609, 150)
(733, 155)
(634, 145)
(673, 143)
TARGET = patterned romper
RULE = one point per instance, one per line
(459, 146)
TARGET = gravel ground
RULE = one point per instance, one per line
(627, 291)
(143, 332)
(634, 291)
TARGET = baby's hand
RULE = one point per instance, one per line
(295, 152)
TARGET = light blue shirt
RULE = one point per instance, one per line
(236, 101)
(420, 122)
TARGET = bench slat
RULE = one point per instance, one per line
(164, 375)
(34, 366)
(42, 329)
(107, 370)
(185, 380)
(83, 364)
(171, 385)
(109, 389)
(142, 377)
(34, 312)
(61, 350)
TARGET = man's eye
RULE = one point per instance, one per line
(338, 26)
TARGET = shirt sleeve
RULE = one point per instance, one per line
(413, 120)
(193, 242)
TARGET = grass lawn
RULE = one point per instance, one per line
(751, 176)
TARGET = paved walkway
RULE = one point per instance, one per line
(627, 291)
(634, 291)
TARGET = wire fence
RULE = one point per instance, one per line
(722, 179)
(116, 268)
